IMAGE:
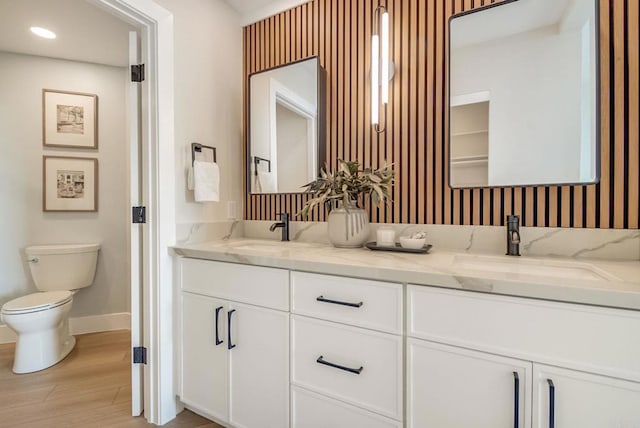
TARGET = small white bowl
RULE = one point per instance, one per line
(412, 243)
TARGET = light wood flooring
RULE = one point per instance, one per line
(89, 388)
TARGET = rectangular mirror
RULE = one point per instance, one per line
(524, 94)
(286, 127)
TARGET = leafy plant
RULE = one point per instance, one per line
(347, 184)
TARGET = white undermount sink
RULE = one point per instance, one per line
(532, 267)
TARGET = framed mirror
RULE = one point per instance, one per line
(524, 94)
(286, 127)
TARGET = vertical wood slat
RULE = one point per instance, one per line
(619, 175)
(633, 114)
(340, 33)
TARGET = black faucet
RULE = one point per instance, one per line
(513, 235)
(284, 224)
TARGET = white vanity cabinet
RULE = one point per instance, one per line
(585, 400)
(463, 347)
(346, 352)
(235, 352)
(457, 388)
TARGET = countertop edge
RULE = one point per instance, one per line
(593, 296)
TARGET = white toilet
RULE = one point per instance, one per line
(41, 320)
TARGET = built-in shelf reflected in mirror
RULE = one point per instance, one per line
(286, 127)
(524, 94)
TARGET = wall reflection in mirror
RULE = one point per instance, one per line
(286, 127)
(524, 94)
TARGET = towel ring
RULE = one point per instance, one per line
(197, 147)
(257, 160)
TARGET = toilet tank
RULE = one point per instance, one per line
(62, 267)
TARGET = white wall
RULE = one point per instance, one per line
(208, 100)
(527, 147)
(22, 221)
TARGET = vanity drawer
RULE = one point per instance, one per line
(311, 410)
(317, 345)
(588, 338)
(371, 304)
(260, 286)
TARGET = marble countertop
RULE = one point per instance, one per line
(595, 282)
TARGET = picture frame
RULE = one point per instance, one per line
(69, 184)
(69, 119)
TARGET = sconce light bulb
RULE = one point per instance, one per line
(375, 48)
(384, 73)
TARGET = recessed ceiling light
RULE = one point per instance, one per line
(43, 32)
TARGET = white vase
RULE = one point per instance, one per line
(348, 228)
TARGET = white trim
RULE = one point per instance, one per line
(82, 325)
(156, 28)
(97, 323)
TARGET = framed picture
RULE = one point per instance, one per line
(69, 119)
(69, 184)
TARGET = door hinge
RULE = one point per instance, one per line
(137, 73)
(138, 214)
(139, 355)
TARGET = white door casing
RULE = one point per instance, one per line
(155, 25)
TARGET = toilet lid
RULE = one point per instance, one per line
(37, 301)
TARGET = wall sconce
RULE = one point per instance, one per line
(381, 67)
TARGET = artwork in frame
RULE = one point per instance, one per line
(69, 119)
(69, 184)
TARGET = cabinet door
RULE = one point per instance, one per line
(457, 388)
(259, 367)
(565, 398)
(204, 364)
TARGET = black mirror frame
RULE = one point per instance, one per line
(321, 128)
(447, 124)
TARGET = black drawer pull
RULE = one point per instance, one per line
(552, 403)
(218, 340)
(321, 360)
(338, 302)
(516, 400)
(229, 344)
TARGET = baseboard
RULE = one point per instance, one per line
(82, 325)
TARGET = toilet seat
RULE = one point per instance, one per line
(37, 302)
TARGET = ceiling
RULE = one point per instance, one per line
(245, 6)
(85, 32)
(254, 10)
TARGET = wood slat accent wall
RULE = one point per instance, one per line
(339, 32)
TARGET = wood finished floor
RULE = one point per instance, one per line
(89, 388)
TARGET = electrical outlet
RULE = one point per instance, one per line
(231, 210)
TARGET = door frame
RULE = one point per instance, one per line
(155, 25)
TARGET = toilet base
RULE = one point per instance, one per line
(35, 352)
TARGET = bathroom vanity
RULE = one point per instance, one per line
(306, 335)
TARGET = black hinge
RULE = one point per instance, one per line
(139, 355)
(138, 214)
(137, 73)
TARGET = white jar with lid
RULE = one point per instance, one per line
(385, 237)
